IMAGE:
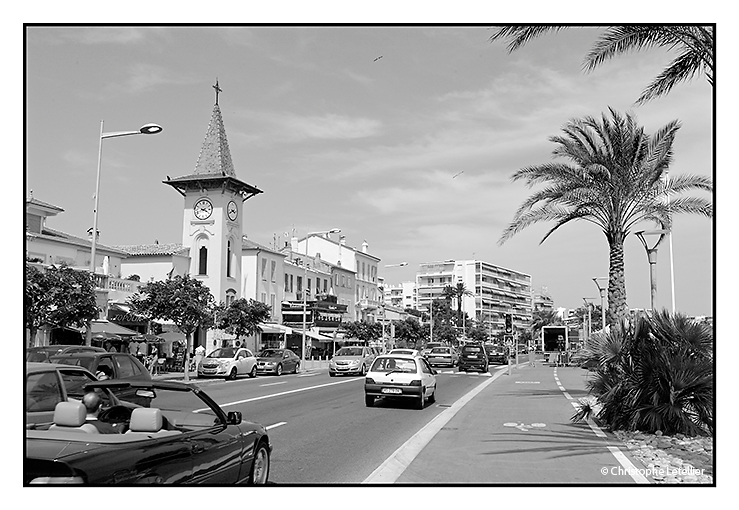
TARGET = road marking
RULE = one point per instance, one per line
(523, 426)
(272, 384)
(390, 470)
(282, 393)
(615, 451)
(276, 425)
(308, 375)
(527, 382)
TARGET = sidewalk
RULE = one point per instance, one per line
(517, 430)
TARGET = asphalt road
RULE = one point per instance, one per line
(320, 428)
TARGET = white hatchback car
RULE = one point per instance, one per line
(228, 362)
(401, 376)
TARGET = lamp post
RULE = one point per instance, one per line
(652, 257)
(602, 291)
(146, 129)
(305, 287)
(384, 340)
(589, 331)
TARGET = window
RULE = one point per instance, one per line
(228, 259)
(272, 299)
(325, 285)
(203, 260)
(300, 284)
(287, 284)
(230, 296)
(364, 274)
(308, 282)
(291, 283)
(264, 269)
(273, 268)
(318, 285)
(343, 280)
(42, 392)
(125, 367)
(264, 298)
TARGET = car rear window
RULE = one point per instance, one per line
(440, 350)
(394, 364)
(471, 348)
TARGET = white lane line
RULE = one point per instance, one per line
(390, 470)
(283, 393)
(279, 424)
(272, 384)
(615, 451)
(308, 375)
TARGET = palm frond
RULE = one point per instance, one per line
(518, 35)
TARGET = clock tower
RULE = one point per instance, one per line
(212, 222)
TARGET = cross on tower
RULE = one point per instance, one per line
(218, 89)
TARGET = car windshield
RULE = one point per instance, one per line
(270, 353)
(225, 352)
(182, 409)
(440, 350)
(392, 364)
(40, 354)
(349, 351)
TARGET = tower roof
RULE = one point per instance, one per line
(214, 168)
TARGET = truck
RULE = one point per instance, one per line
(554, 338)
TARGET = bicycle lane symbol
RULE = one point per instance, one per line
(523, 426)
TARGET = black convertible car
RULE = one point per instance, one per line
(181, 436)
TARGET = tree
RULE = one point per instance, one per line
(242, 317)
(694, 43)
(58, 297)
(181, 299)
(541, 318)
(614, 181)
(363, 330)
(479, 332)
(459, 291)
(410, 331)
(443, 322)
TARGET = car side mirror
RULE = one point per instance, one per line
(233, 417)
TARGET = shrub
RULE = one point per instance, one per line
(655, 373)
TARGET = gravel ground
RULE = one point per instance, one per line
(672, 459)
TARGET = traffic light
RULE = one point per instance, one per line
(508, 323)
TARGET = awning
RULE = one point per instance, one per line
(275, 328)
(172, 336)
(105, 328)
(313, 335)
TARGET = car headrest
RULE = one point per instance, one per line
(144, 419)
(69, 414)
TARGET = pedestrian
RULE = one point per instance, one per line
(93, 403)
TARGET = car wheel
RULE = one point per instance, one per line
(369, 400)
(259, 473)
(363, 372)
(421, 401)
(297, 368)
(331, 374)
(253, 372)
(232, 375)
(278, 372)
(432, 398)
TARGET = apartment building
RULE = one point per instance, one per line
(495, 291)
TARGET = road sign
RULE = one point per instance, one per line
(508, 340)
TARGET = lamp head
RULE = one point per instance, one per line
(150, 129)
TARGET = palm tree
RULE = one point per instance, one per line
(615, 181)
(695, 45)
(460, 291)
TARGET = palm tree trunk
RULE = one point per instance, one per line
(617, 305)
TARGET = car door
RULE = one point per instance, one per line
(428, 379)
(288, 362)
(241, 362)
(249, 360)
(216, 454)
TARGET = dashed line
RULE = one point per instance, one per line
(279, 424)
(615, 451)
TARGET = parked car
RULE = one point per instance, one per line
(228, 362)
(47, 384)
(115, 365)
(181, 437)
(443, 356)
(473, 357)
(42, 354)
(277, 361)
(400, 376)
(496, 353)
(412, 352)
(426, 350)
(351, 360)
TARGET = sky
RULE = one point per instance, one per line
(404, 137)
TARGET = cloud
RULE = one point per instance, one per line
(142, 77)
(288, 127)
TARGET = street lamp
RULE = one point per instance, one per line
(305, 287)
(146, 129)
(402, 264)
(602, 291)
(652, 257)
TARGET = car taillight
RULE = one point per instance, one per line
(417, 382)
(58, 480)
(369, 380)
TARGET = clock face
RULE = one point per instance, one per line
(233, 211)
(203, 208)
